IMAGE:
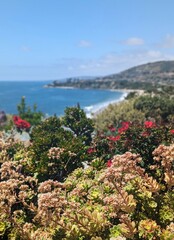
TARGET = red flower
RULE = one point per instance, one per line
(114, 139)
(20, 123)
(149, 124)
(125, 126)
(172, 131)
(112, 129)
(109, 163)
(90, 150)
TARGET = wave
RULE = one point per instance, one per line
(96, 108)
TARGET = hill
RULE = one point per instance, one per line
(143, 76)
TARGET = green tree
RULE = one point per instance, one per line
(33, 116)
(75, 119)
(156, 107)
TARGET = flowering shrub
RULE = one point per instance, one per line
(120, 201)
(141, 138)
(55, 151)
(20, 123)
(31, 115)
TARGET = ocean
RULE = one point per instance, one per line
(54, 100)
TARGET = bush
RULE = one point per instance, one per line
(55, 151)
(34, 117)
(116, 202)
(157, 107)
(75, 119)
(137, 137)
(116, 113)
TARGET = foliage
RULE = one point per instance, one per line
(114, 114)
(33, 116)
(75, 119)
(55, 151)
(125, 190)
(157, 107)
(103, 203)
(137, 137)
(160, 108)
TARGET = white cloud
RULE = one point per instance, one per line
(115, 62)
(168, 42)
(134, 41)
(84, 44)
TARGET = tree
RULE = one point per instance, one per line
(75, 119)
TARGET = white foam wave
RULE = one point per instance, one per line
(92, 109)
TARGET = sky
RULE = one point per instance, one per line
(55, 39)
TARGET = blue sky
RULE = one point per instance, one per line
(54, 39)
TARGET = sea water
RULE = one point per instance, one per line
(53, 101)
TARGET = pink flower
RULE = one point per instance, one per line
(109, 163)
(172, 131)
(149, 124)
(114, 139)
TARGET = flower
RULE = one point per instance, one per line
(112, 129)
(90, 150)
(125, 126)
(149, 124)
(109, 163)
(114, 139)
(172, 131)
(20, 123)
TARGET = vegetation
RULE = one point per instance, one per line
(74, 181)
(148, 76)
(158, 107)
(31, 115)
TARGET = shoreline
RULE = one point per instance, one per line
(91, 113)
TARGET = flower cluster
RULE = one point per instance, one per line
(55, 152)
(20, 123)
(124, 127)
(141, 138)
(119, 202)
(149, 124)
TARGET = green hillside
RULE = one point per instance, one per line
(144, 76)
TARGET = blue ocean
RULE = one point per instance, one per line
(54, 100)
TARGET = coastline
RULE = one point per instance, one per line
(93, 110)
(98, 108)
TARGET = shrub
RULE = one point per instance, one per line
(116, 113)
(34, 117)
(116, 202)
(75, 119)
(157, 107)
(55, 151)
(137, 137)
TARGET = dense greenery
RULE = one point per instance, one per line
(73, 181)
(158, 107)
(55, 150)
(76, 120)
(29, 114)
(148, 76)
